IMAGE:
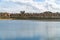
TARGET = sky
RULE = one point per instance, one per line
(29, 5)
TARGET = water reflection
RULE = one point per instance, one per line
(29, 30)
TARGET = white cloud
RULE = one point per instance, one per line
(52, 6)
(24, 1)
(29, 5)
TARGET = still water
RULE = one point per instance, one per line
(29, 30)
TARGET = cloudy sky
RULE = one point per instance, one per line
(29, 5)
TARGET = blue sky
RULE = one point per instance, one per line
(39, 0)
(29, 5)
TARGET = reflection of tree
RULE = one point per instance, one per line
(47, 31)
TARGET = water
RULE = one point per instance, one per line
(29, 30)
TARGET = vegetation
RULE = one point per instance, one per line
(34, 16)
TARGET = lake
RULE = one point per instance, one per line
(29, 30)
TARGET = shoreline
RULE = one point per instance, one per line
(5, 19)
(34, 19)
